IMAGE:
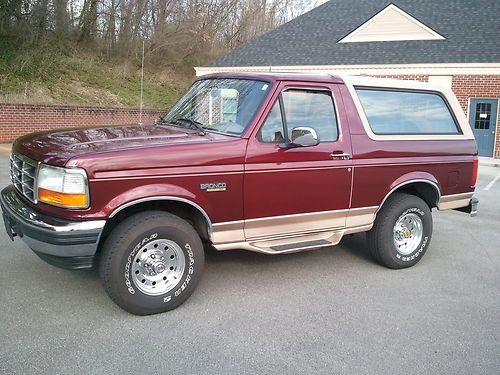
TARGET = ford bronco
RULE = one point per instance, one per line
(272, 163)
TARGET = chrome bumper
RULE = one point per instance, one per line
(63, 243)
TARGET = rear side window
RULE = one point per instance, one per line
(406, 112)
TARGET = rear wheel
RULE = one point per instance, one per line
(402, 231)
(151, 262)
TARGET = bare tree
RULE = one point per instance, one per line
(180, 33)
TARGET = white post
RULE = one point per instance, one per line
(142, 83)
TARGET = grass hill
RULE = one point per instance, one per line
(50, 75)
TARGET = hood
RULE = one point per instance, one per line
(58, 147)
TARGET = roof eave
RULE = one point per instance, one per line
(378, 69)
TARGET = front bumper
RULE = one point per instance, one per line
(64, 243)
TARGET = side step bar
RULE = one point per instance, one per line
(291, 243)
(287, 244)
(301, 245)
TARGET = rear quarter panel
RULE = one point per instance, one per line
(381, 165)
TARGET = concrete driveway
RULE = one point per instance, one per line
(328, 311)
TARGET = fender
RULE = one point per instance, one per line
(153, 192)
(409, 178)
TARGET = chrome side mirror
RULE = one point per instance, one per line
(303, 136)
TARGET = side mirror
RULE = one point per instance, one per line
(304, 137)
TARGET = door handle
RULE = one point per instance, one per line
(340, 155)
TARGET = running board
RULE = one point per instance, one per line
(289, 244)
(300, 245)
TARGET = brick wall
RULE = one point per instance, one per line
(408, 77)
(19, 119)
(485, 87)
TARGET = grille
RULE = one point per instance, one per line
(23, 174)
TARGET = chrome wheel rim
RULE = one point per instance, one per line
(158, 267)
(408, 233)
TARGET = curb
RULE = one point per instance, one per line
(489, 162)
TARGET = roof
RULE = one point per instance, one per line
(471, 30)
(273, 77)
(350, 79)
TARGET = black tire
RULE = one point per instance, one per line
(381, 239)
(123, 246)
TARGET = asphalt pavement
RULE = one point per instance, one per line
(330, 311)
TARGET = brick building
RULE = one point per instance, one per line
(454, 42)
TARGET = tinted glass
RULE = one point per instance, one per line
(223, 105)
(402, 112)
(312, 109)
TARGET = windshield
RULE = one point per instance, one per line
(222, 105)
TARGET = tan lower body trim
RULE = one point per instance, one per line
(302, 242)
(292, 224)
(358, 217)
(449, 202)
(260, 234)
(231, 231)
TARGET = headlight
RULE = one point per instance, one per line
(63, 187)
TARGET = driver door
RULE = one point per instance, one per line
(298, 190)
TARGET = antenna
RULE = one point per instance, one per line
(142, 83)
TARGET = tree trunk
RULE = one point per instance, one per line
(88, 21)
(61, 18)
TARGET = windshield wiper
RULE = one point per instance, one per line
(191, 123)
(184, 122)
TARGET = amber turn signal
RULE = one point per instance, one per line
(61, 199)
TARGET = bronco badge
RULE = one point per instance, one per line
(214, 186)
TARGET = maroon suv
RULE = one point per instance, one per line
(273, 163)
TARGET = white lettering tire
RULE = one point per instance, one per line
(151, 262)
(402, 231)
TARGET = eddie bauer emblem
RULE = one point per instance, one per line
(215, 186)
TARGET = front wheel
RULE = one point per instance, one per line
(151, 262)
(402, 231)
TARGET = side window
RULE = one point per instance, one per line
(406, 112)
(313, 109)
(272, 130)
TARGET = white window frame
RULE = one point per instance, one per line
(367, 82)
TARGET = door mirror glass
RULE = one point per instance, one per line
(304, 137)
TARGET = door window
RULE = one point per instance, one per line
(483, 116)
(314, 109)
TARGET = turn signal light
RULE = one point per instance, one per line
(62, 199)
(475, 166)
